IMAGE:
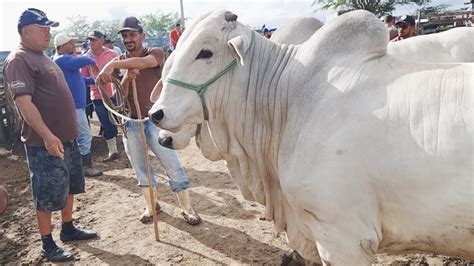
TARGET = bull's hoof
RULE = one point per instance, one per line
(293, 259)
(192, 219)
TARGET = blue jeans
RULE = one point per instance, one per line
(85, 136)
(167, 157)
(52, 178)
(110, 131)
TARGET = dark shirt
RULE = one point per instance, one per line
(28, 72)
(145, 81)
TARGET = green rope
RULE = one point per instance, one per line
(202, 88)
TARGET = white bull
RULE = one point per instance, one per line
(296, 31)
(351, 150)
(455, 45)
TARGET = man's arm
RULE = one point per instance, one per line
(73, 63)
(32, 116)
(129, 63)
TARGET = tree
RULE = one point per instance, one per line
(378, 7)
(157, 24)
(107, 27)
(78, 26)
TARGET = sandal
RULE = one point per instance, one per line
(192, 219)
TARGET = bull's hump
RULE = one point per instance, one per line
(356, 32)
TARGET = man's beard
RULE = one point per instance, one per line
(130, 46)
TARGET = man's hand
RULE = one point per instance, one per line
(105, 75)
(54, 146)
(131, 74)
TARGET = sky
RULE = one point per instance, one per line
(255, 13)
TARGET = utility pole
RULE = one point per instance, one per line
(182, 13)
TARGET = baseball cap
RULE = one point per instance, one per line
(131, 24)
(407, 19)
(35, 16)
(62, 38)
(96, 35)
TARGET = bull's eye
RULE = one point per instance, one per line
(204, 54)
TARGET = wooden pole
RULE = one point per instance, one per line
(147, 161)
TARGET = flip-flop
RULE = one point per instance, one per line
(148, 219)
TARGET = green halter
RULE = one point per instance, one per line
(202, 88)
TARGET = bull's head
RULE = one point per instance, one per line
(207, 52)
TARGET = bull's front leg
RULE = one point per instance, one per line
(340, 208)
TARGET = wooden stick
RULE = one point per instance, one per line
(147, 161)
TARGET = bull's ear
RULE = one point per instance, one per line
(238, 46)
(155, 93)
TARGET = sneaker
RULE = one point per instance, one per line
(79, 234)
(111, 157)
(57, 255)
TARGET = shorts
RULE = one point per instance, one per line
(52, 179)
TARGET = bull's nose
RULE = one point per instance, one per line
(166, 142)
(157, 116)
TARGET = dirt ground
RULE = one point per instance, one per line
(231, 233)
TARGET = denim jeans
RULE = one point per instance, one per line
(110, 131)
(52, 178)
(85, 136)
(167, 157)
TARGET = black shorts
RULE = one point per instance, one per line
(52, 179)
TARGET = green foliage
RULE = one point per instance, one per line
(155, 25)
(378, 7)
(158, 24)
(78, 26)
(107, 27)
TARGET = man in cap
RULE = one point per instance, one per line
(144, 65)
(389, 22)
(174, 36)
(71, 65)
(102, 55)
(49, 130)
(110, 44)
(406, 26)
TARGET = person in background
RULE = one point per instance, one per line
(71, 65)
(389, 22)
(144, 65)
(102, 55)
(110, 44)
(49, 130)
(174, 35)
(406, 28)
(267, 32)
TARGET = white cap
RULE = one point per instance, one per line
(62, 38)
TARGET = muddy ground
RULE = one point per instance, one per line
(231, 233)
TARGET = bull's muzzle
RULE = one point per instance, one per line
(166, 142)
(157, 116)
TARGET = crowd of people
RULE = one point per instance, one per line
(51, 97)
